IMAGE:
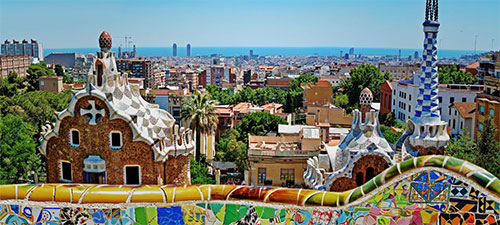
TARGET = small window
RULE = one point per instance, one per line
(464, 99)
(74, 138)
(410, 97)
(261, 179)
(440, 99)
(480, 126)
(492, 113)
(481, 109)
(287, 175)
(132, 175)
(115, 140)
(452, 100)
(409, 108)
(65, 171)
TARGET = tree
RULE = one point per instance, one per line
(484, 152)
(5, 104)
(390, 135)
(488, 148)
(198, 110)
(453, 75)
(39, 106)
(259, 123)
(388, 119)
(199, 173)
(35, 71)
(11, 85)
(18, 155)
(59, 70)
(231, 149)
(362, 77)
(341, 100)
(294, 98)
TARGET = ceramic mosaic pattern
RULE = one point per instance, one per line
(425, 194)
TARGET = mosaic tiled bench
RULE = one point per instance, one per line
(423, 190)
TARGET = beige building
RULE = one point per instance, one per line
(281, 161)
(319, 93)
(327, 115)
(18, 64)
(52, 84)
(400, 72)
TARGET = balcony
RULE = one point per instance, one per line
(282, 153)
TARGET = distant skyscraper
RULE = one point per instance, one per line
(399, 55)
(134, 53)
(341, 53)
(416, 55)
(33, 49)
(351, 51)
(174, 49)
(251, 53)
(188, 49)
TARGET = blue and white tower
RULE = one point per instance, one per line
(426, 133)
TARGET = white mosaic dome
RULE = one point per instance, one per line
(366, 97)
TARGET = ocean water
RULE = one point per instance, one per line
(269, 51)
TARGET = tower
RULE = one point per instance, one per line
(174, 49)
(426, 133)
(119, 51)
(188, 49)
(134, 54)
(365, 101)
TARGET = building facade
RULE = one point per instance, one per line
(51, 84)
(462, 119)
(11, 63)
(404, 98)
(400, 72)
(142, 68)
(320, 93)
(33, 49)
(385, 97)
(68, 60)
(488, 102)
(110, 135)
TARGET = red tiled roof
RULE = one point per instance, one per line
(465, 109)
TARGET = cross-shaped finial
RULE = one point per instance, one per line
(93, 112)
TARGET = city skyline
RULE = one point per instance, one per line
(273, 23)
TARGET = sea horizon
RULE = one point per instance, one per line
(271, 51)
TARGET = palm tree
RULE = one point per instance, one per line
(198, 110)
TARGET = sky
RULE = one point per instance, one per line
(249, 23)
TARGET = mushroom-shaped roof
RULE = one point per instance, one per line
(105, 40)
(366, 97)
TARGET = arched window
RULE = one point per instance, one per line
(359, 178)
(99, 68)
(370, 173)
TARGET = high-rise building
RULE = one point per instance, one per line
(141, 68)
(188, 49)
(251, 53)
(351, 51)
(488, 102)
(174, 49)
(14, 63)
(425, 132)
(33, 49)
(416, 55)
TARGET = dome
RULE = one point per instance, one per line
(366, 97)
(105, 40)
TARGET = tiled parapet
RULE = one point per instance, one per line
(123, 195)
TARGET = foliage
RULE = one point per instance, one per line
(230, 149)
(35, 71)
(259, 123)
(59, 70)
(484, 152)
(453, 75)
(291, 99)
(388, 119)
(18, 155)
(390, 135)
(341, 100)
(198, 110)
(199, 173)
(362, 77)
(5, 105)
(11, 85)
(39, 106)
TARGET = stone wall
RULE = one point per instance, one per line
(94, 140)
(377, 163)
(427, 190)
(177, 170)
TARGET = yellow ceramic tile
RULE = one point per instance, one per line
(205, 190)
(287, 196)
(169, 192)
(63, 193)
(45, 193)
(189, 193)
(220, 192)
(78, 191)
(107, 194)
(7, 192)
(147, 193)
(24, 189)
